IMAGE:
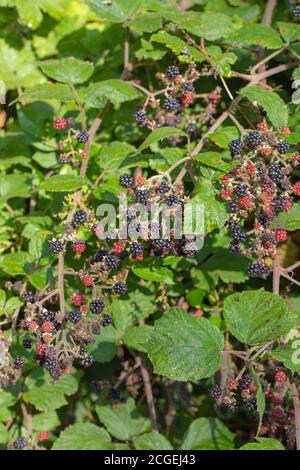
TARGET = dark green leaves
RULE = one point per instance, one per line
(258, 34)
(115, 91)
(263, 443)
(185, 348)
(207, 434)
(289, 355)
(83, 436)
(48, 91)
(275, 107)
(115, 11)
(62, 183)
(160, 134)
(67, 70)
(257, 316)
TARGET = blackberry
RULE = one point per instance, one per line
(296, 11)
(172, 72)
(49, 315)
(233, 207)
(283, 146)
(264, 271)
(38, 359)
(275, 172)
(96, 328)
(19, 363)
(160, 246)
(163, 187)
(74, 316)
(236, 147)
(98, 257)
(251, 404)
(245, 381)
(279, 204)
(113, 393)
(140, 117)
(216, 392)
(20, 443)
(106, 320)
(51, 365)
(234, 247)
(126, 181)
(80, 217)
(233, 224)
(241, 190)
(171, 200)
(170, 104)
(95, 386)
(191, 128)
(71, 121)
(238, 235)
(120, 288)
(27, 343)
(97, 306)
(259, 169)
(87, 361)
(56, 246)
(82, 137)
(136, 249)
(112, 261)
(27, 296)
(141, 196)
(254, 139)
(188, 87)
(253, 269)
(264, 220)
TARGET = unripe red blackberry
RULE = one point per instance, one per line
(75, 316)
(120, 288)
(118, 248)
(79, 246)
(280, 376)
(82, 137)
(232, 384)
(47, 326)
(97, 306)
(140, 181)
(42, 436)
(60, 123)
(87, 280)
(187, 98)
(79, 218)
(56, 246)
(78, 299)
(296, 188)
(280, 235)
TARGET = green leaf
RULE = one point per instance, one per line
(207, 434)
(257, 316)
(114, 90)
(83, 436)
(67, 70)
(289, 220)
(45, 159)
(48, 91)
(62, 183)
(14, 186)
(137, 337)
(223, 136)
(105, 347)
(289, 31)
(46, 396)
(15, 263)
(184, 348)
(258, 34)
(177, 45)
(209, 25)
(123, 422)
(260, 399)
(214, 210)
(113, 154)
(158, 135)
(47, 420)
(155, 274)
(14, 303)
(289, 354)
(116, 11)
(152, 441)
(275, 107)
(215, 160)
(264, 443)
(147, 23)
(228, 269)
(4, 436)
(29, 13)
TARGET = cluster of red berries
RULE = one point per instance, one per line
(256, 191)
(236, 393)
(68, 151)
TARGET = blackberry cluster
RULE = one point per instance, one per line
(255, 192)
(236, 394)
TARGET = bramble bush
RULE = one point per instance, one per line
(148, 341)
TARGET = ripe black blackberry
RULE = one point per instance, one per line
(95, 386)
(49, 315)
(172, 72)
(275, 172)
(51, 365)
(171, 200)
(126, 181)
(241, 190)
(83, 137)
(113, 393)
(171, 104)
(74, 316)
(253, 139)
(264, 270)
(19, 363)
(188, 87)
(80, 217)
(238, 235)
(234, 247)
(120, 288)
(87, 361)
(27, 296)
(112, 261)
(163, 187)
(296, 11)
(160, 246)
(20, 443)
(279, 204)
(233, 207)
(191, 128)
(245, 381)
(283, 146)
(264, 220)
(136, 248)
(140, 117)
(106, 320)
(97, 306)
(259, 169)
(216, 392)
(27, 343)
(251, 404)
(141, 196)
(56, 246)
(98, 256)
(254, 269)
(236, 147)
